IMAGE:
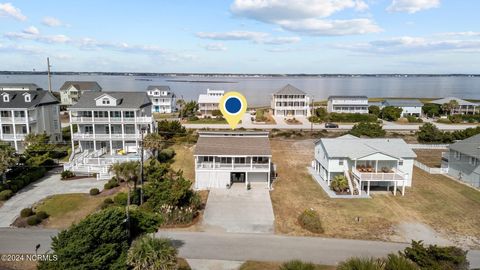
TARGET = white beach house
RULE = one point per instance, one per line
(207, 103)
(224, 158)
(107, 127)
(290, 101)
(71, 91)
(163, 99)
(410, 107)
(347, 104)
(23, 112)
(365, 162)
(464, 106)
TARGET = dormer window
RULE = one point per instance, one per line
(6, 97)
(106, 101)
(28, 98)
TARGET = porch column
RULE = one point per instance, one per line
(14, 131)
(368, 188)
(94, 137)
(233, 159)
(376, 166)
(268, 173)
(355, 164)
(328, 178)
(360, 187)
(251, 163)
(395, 188)
(246, 179)
(71, 131)
(403, 188)
(214, 162)
(26, 121)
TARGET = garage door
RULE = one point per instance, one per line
(257, 177)
(208, 179)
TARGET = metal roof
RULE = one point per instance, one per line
(17, 99)
(461, 102)
(469, 146)
(347, 97)
(233, 144)
(354, 148)
(130, 100)
(82, 85)
(19, 86)
(403, 102)
(289, 90)
(158, 87)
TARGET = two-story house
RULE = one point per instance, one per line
(365, 162)
(347, 104)
(410, 107)
(108, 128)
(207, 103)
(24, 112)
(463, 160)
(463, 106)
(163, 99)
(225, 158)
(290, 101)
(71, 91)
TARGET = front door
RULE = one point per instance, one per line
(237, 177)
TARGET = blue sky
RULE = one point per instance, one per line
(242, 36)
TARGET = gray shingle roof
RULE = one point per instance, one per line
(353, 147)
(159, 87)
(82, 85)
(347, 97)
(130, 100)
(469, 146)
(17, 99)
(290, 90)
(461, 102)
(233, 143)
(22, 86)
(403, 102)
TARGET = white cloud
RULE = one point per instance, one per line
(8, 10)
(320, 27)
(256, 37)
(29, 34)
(16, 48)
(307, 16)
(32, 30)
(52, 22)
(408, 44)
(461, 34)
(274, 10)
(215, 47)
(412, 6)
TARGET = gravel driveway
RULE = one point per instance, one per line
(47, 186)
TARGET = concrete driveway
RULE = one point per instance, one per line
(47, 186)
(239, 210)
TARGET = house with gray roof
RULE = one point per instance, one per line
(163, 99)
(463, 107)
(290, 101)
(23, 112)
(410, 107)
(366, 163)
(226, 158)
(109, 128)
(19, 87)
(347, 104)
(463, 159)
(71, 91)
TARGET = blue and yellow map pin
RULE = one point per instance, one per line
(233, 106)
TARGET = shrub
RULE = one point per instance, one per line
(33, 220)
(166, 155)
(435, 257)
(144, 221)
(374, 109)
(121, 199)
(391, 113)
(444, 121)
(94, 191)
(297, 265)
(149, 252)
(26, 212)
(339, 183)
(67, 174)
(22, 176)
(112, 183)
(106, 203)
(42, 215)
(361, 264)
(310, 220)
(398, 262)
(5, 194)
(414, 119)
(372, 130)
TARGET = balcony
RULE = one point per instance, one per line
(11, 137)
(233, 166)
(19, 120)
(130, 120)
(113, 136)
(393, 175)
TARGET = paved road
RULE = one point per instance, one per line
(247, 123)
(235, 246)
(47, 186)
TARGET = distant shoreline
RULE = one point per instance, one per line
(242, 75)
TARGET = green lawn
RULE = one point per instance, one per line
(207, 121)
(161, 116)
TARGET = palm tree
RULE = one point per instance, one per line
(339, 183)
(7, 158)
(154, 142)
(181, 104)
(450, 106)
(152, 253)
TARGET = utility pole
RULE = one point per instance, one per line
(49, 75)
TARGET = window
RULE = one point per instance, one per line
(473, 161)
(27, 98)
(6, 98)
(19, 114)
(340, 162)
(6, 130)
(207, 159)
(115, 114)
(4, 114)
(107, 130)
(400, 163)
(89, 129)
(106, 101)
(129, 114)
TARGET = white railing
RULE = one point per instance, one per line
(13, 137)
(380, 176)
(230, 166)
(18, 120)
(89, 136)
(428, 146)
(86, 119)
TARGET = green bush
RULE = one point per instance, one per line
(22, 176)
(310, 220)
(144, 221)
(339, 183)
(166, 155)
(121, 199)
(42, 215)
(26, 212)
(444, 121)
(67, 174)
(398, 262)
(390, 113)
(112, 183)
(435, 257)
(414, 119)
(33, 220)
(361, 264)
(5, 194)
(106, 203)
(94, 191)
(297, 265)
(372, 130)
